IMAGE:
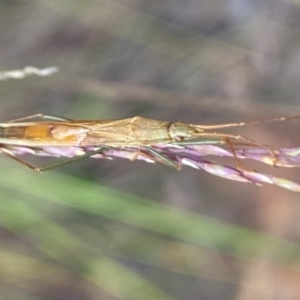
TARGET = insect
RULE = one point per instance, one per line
(137, 132)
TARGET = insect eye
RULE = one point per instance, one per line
(179, 138)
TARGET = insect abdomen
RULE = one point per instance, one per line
(12, 132)
(26, 132)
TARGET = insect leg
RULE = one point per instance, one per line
(162, 158)
(215, 142)
(210, 142)
(41, 116)
(12, 156)
(198, 142)
(228, 142)
(225, 137)
(53, 165)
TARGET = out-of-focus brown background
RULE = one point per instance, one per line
(131, 230)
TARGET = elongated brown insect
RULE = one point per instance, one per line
(136, 132)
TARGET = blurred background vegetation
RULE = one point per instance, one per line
(130, 230)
